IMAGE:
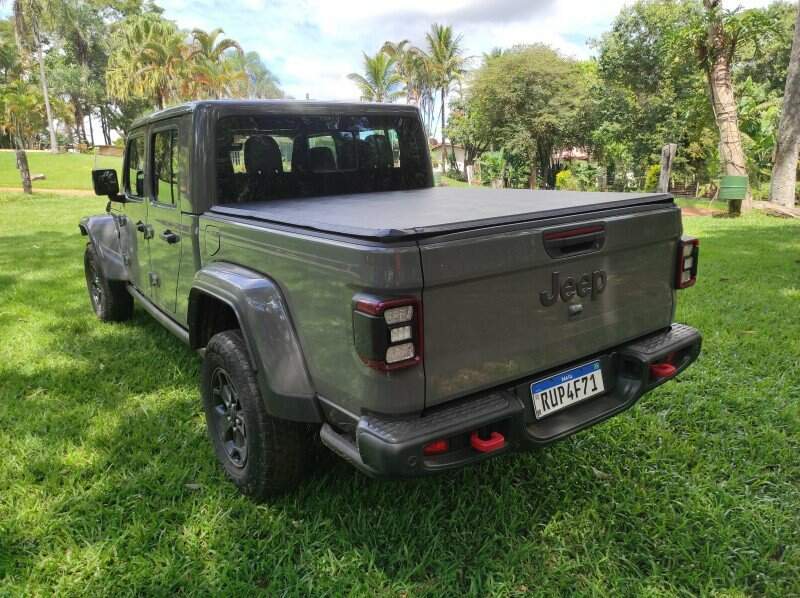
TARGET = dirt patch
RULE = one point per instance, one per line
(36, 191)
(694, 211)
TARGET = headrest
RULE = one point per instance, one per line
(383, 150)
(262, 155)
(321, 159)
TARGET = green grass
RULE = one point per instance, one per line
(446, 181)
(108, 485)
(63, 171)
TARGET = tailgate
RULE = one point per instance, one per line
(492, 314)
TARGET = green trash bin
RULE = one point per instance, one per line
(733, 189)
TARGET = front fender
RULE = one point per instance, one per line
(104, 234)
(267, 328)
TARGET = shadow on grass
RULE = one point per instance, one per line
(108, 435)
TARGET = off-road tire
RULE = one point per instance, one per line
(276, 451)
(110, 299)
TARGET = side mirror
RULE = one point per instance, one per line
(105, 183)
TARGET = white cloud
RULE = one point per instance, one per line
(312, 45)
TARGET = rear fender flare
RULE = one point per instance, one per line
(104, 235)
(267, 328)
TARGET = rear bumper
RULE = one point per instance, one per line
(392, 447)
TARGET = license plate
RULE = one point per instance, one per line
(566, 388)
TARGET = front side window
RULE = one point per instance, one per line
(282, 157)
(165, 166)
(133, 180)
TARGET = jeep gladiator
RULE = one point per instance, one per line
(336, 295)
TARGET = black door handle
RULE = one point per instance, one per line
(145, 229)
(169, 237)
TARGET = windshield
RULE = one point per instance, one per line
(279, 157)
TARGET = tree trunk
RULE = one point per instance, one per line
(723, 102)
(444, 145)
(784, 171)
(80, 128)
(667, 157)
(91, 127)
(104, 126)
(22, 164)
(43, 75)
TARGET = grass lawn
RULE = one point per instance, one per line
(63, 171)
(110, 488)
(446, 181)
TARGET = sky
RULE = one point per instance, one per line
(311, 45)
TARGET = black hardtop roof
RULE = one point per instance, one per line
(400, 215)
(233, 107)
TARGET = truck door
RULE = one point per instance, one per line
(164, 217)
(135, 232)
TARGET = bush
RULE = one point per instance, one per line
(491, 164)
(566, 181)
(580, 176)
(456, 175)
(651, 177)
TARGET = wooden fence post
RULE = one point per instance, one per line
(667, 157)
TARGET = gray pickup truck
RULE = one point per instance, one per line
(335, 294)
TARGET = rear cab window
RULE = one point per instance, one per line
(284, 157)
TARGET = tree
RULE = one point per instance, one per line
(215, 73)
(647, 94)
(784, 172)
(28, 24)
(447, 65)
(261, 82)
(532, 98)
(414, 67)
(380, 81)
(469, 127)
(20, 117)
(148, 60)
(717, 41)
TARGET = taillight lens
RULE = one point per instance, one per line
(387, 332)
(688, 252)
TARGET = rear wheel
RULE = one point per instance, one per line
(262, 455)
(110, 299)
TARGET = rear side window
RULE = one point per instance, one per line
(133, 179)
(165, 166)
(283, 157)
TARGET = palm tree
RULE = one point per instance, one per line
(214, 73)
(447, 65)
(410, 66)
(380, 80)
(148, 61)
(19, 104)
(28, 18)
(261, 82)
(222, 79)
(206, 47)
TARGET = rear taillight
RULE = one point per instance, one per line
(688, 252)
(387, 332)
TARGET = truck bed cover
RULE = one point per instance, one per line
(403, 215)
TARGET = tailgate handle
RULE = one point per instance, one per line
(569, 241)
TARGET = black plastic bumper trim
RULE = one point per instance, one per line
(392, 446)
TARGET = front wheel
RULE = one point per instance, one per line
(110, 299)
(262, 455)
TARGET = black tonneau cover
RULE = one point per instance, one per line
(400, 215)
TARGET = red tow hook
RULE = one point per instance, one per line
(495, 442)
(662, 370)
